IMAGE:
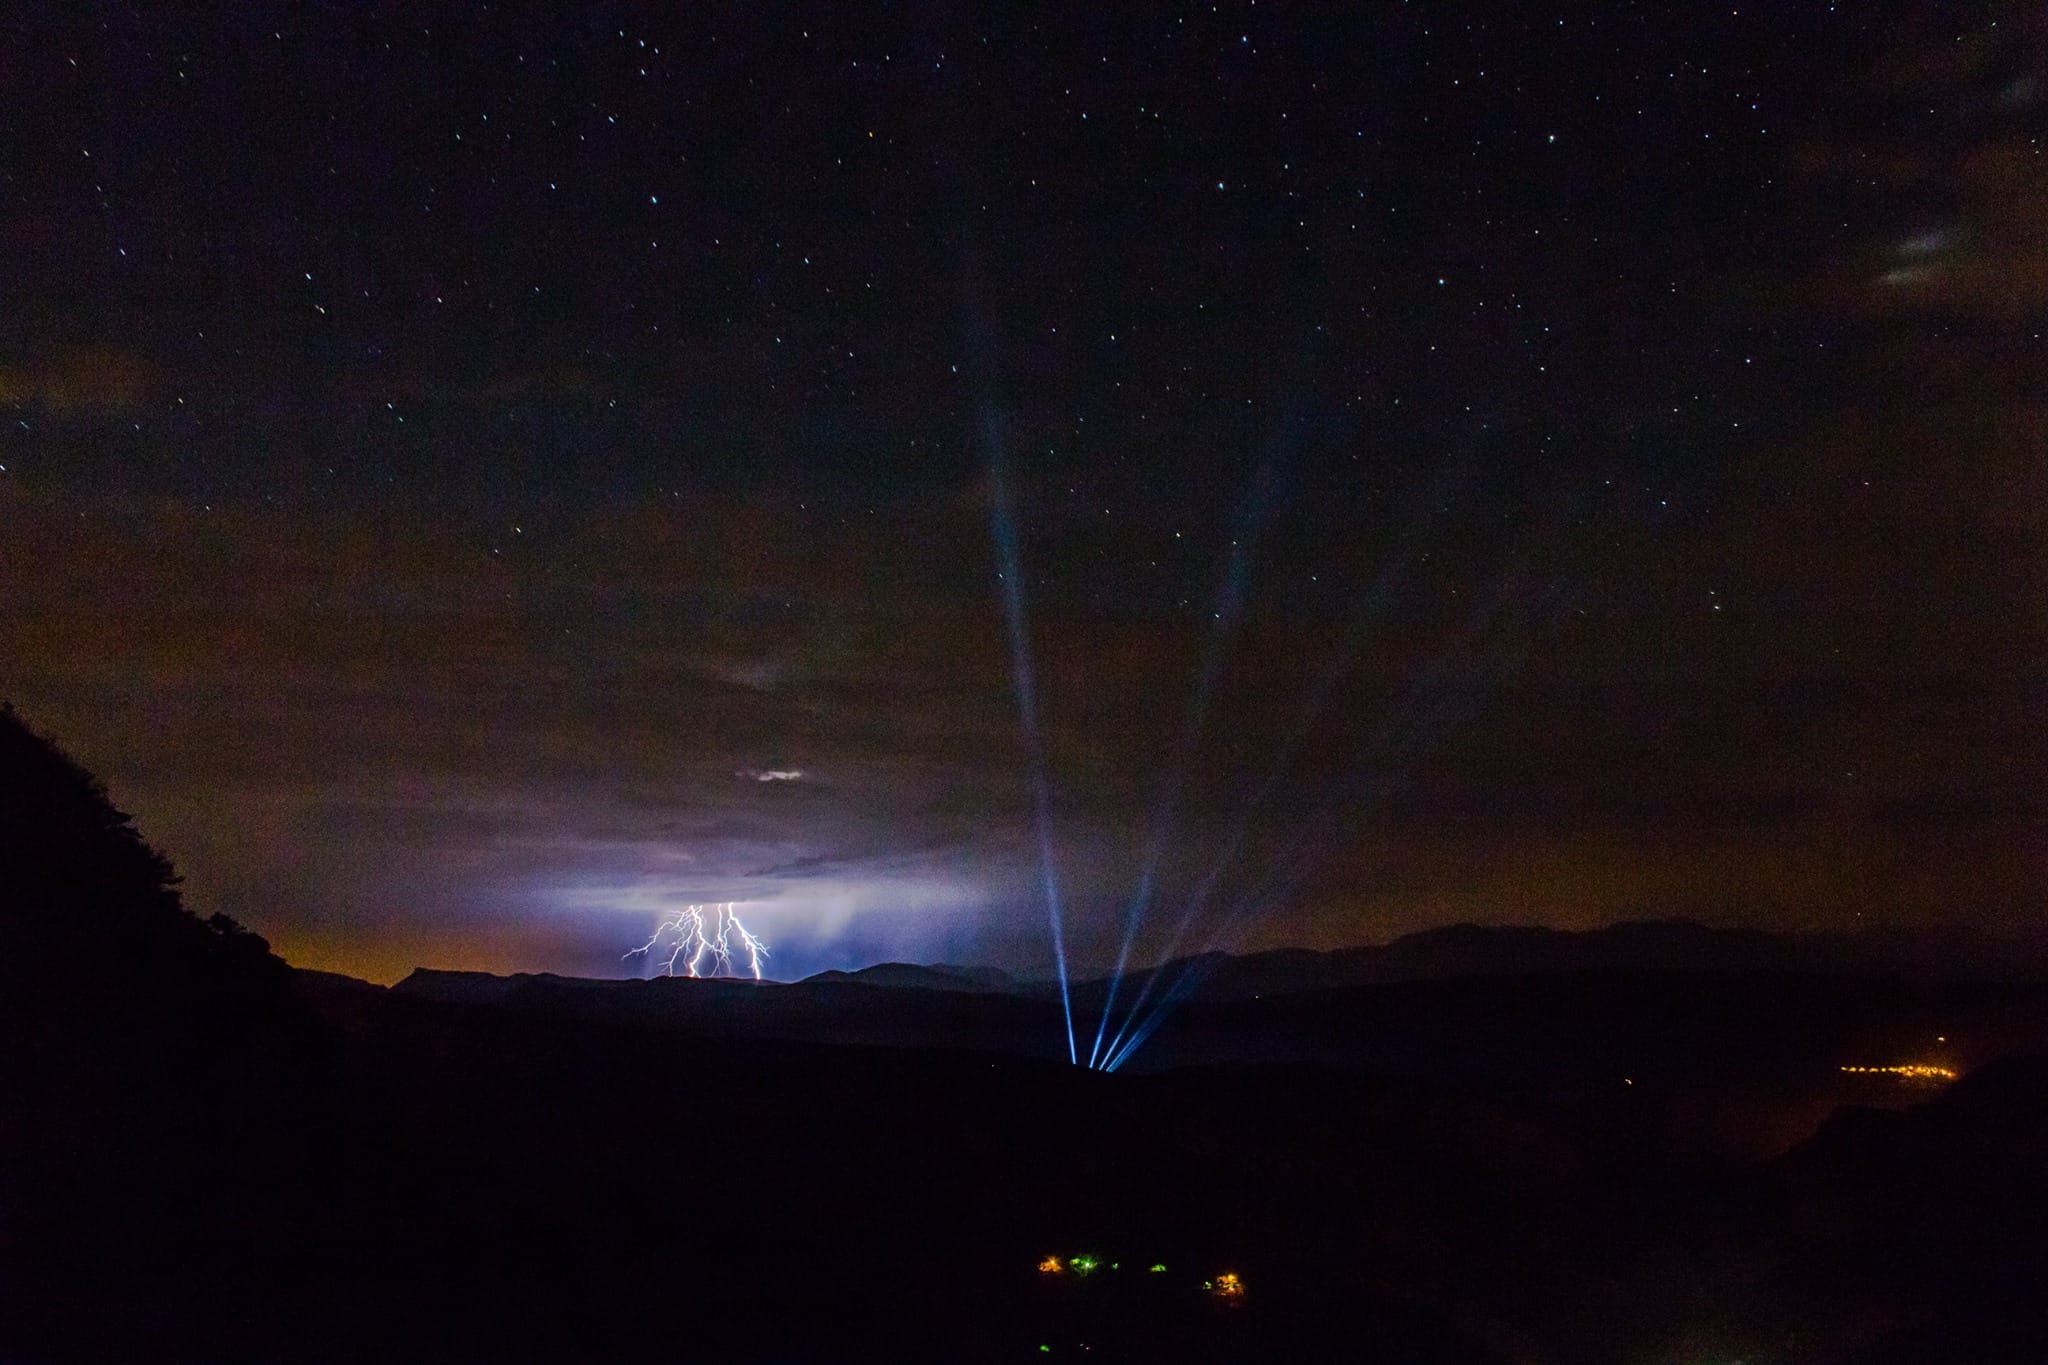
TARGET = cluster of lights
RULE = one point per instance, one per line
(1080, 1264)
(1225, 1286)
(1912, 1071)
(1228, 1286)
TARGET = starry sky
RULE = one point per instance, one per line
(478, 477)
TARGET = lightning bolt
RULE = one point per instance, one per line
(698, 931)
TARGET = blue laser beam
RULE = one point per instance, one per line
(1010, 573)
(1307, 846)
(1229, 601)
(1003, 523)
(1295, 860)
(1305, 850)
(1484, 612)
(1365, 611)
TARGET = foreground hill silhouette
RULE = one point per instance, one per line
(159, 1076)
(207, 1156)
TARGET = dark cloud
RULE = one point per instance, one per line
(94, 383)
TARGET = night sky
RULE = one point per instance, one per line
(478, 477)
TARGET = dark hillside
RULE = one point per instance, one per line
(210, 1157)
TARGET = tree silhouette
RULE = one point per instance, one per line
(78, 883)
(61, 836)
(106, 979)
(160, 1083)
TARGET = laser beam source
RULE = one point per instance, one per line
(696, 932)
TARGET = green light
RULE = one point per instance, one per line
(1159, 1269)
(1045, 1348)
(1083, 1264)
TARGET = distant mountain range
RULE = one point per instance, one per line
(939, 977)
(1460, 950)
(1448, 953)
(1517, 999)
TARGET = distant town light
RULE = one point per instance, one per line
(1911, 1071)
